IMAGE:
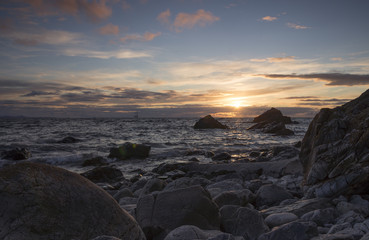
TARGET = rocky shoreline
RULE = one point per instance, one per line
(318, 191)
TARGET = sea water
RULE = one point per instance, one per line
(170, 139)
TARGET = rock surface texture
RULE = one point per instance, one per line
(130, 150)
(209, 122)
(335, 150)
(43, 202)
(272, 115)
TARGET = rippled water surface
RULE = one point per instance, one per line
(169, 139)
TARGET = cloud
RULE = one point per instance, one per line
(38, 93)
(269, 18)
(333, 79)
(336, 59)
(147, 36)
(164, 17)
(296, 26)
(187, 20)
(120, 54)
(109, 29)
(125, 5)
(95, 10)
(274, 59)
(49, 37)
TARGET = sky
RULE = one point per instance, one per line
(181, 58)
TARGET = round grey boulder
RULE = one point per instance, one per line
(39, 201)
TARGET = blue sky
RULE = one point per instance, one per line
(180, 58)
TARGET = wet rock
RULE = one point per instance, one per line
(130, 150)
(96, 161)
(276, 128)
(335, 150)
(292, 231)
(242, 221)
(106, 238)
(44, 202)
(193, 160)
(69, 139)
(272, 115)
(189, 232)
(161, 212)
(16, 154)
(125, 192)
(271, 195)
(222, 156)
(209, 122)
(223, 186)
(103, 174)
(279, 219)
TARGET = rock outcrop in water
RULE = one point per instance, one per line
(335, 150)
(209, 122)
(130, 150)
(43, 202)
(17, 154)
(272, 121)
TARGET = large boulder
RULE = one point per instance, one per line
(209, 122)
(161, 212)
(272, 115)
(129, 150)
(188, 232)
(292, 231)
(44, 202)
(271, 195)
(335, 150)
(103, 174)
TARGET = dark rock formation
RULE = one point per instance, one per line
(96, 161)
(292, 231)
(335, 150)
(272, 121)
(43, 202)
(209, 122)
(271, 195)
(128, 150)
(189, 232)
(103, 174)
(159, 213)
(222, 156)
(17, 154)
(272, 115)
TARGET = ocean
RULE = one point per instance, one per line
(171, 140)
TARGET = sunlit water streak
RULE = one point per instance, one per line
(170, 139)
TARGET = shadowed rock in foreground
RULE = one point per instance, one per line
(335, 150)
(43, 202)
(209, 122)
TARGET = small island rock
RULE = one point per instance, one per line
(209, 122)
(17, 154)
(129, 150)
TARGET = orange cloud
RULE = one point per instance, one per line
(164, 17)
(269, 18)
(96, 10)
(125, 5)
(274, 59)
(187, 20)
(109, 29)
(148, 36)
(296, 26)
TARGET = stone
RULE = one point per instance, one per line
(321, 216)
(103, 174)
(278, 219)
(208, 122)
(242, 221)
(292, 231)
(125, 192)
(161, 212)
(106, 238)
(221, 156)
(272, 115)
(189, 232)
(17, 154)
(299, 207)
(185, 182)
(69, 139)
(277, 128)
(240, 198)
(130, 150)
(223, 186)
(153, 185)
(271, 195)
(96, 161)
(335, 150)
(39, 201)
